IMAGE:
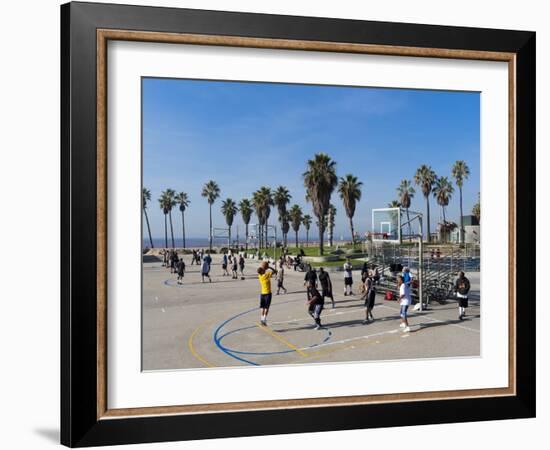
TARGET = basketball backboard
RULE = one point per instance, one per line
(386, 224)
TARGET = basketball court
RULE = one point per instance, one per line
(201, 325)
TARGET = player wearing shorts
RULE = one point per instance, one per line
(370, 296)
(326, 285)
(241, 266)
(264, 276)
(315, 303)
(281, 277)
(180, 267)
(405, 301)
(205, 267)
(234, 268)
(224, 265)
(348, 279)
(462, 287)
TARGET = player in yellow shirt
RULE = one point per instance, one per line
(264, 276)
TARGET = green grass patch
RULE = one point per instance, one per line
(354, 262)
(309, 251)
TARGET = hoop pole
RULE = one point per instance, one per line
(421, 264)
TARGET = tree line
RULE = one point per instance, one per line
(320, 181)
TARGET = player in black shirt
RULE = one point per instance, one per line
(326, 285)
(180, 267)
(310, 279)
(315, 303)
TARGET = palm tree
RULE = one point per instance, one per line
(331, 218)
(476, 209)
(406, 193)
(246, 212)
(146, 197)
(262, 201)
(350, 193)
(443, 191)
(295, 215)
(257, 202)
(425, 178)
(164, 203)
(394, 204)
(170, 202)
(211, 191)
(320, 180)
(306, 220)
(183, 200)
(460, 172)
(285, 227)
(229, 210)
(281, 198)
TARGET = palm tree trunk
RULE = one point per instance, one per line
(266, 228)
(246, 237)
(260, 235)
(210, 237)
(428, 217)
(321, 233)
(307, 238)
(296, 231)
(229, 238)
(444, 223)
(165, 232)
(183, 227)
(409, 221)
(461, 218)
(171, 229)
(148, 228)
(352, 231)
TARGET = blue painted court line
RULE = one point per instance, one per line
(231, 352)
(240, 352)
(222, 348)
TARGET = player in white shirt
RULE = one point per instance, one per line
(348, 280)
(405, 301)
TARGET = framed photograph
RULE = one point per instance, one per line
(276, 224)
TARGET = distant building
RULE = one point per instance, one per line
(471, 231)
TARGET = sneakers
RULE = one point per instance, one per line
(365, 321)
(401, 325)
(406, 329)
(318, 327)
(263, 322)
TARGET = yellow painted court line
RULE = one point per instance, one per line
(192, 347)
(281, 339)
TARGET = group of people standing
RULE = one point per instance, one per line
(176, 264)
(203, 259)
(235, 262)
(369, 279)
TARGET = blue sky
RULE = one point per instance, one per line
(244, 135)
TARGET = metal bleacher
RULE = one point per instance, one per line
(439, 273)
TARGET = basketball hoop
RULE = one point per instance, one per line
(378, 236)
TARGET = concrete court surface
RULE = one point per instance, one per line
(200, 325)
